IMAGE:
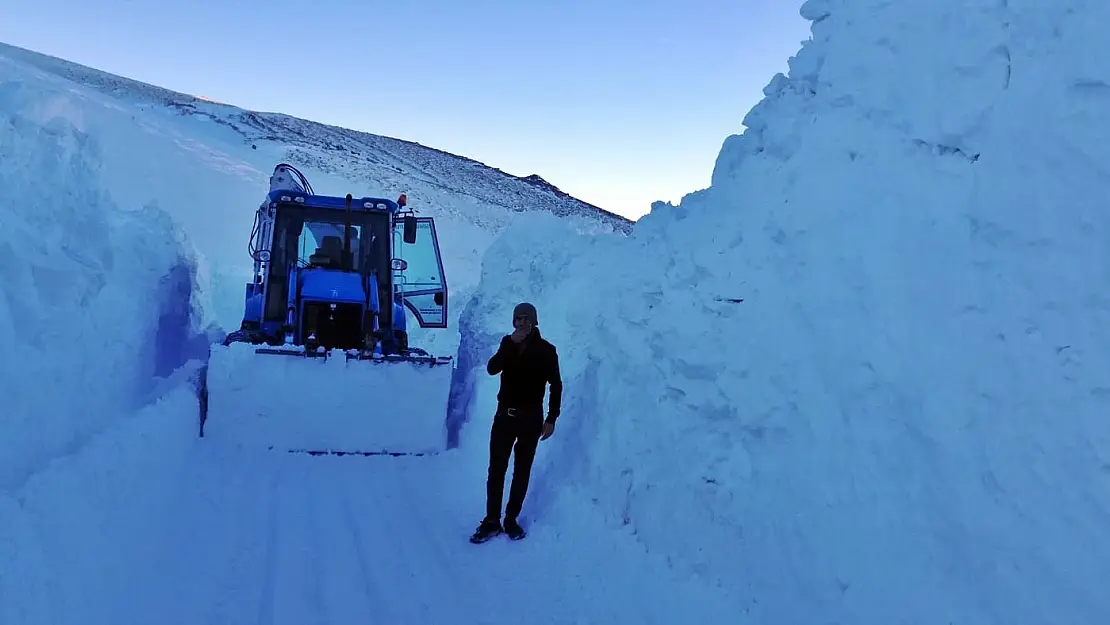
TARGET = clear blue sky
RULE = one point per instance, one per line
(618, 102)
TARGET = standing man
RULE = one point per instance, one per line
(527, 364)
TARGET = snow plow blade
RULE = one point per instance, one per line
(326, 402)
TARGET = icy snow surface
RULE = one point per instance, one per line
(865, 377)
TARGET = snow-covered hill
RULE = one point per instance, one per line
(455, 184)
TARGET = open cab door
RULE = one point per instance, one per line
(420, 279)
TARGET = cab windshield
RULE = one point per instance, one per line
(313, 237)
(321, 245)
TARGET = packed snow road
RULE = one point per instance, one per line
(274, 539)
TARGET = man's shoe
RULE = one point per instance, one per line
(486, 530)
(514, 530)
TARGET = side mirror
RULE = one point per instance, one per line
(410, 229)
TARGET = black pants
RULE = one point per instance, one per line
(515, 432)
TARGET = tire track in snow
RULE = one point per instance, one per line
(266, 601)
(236, 506)
(420, 584)
(299, 573)
(404, 584)
(376, 529)
(345, 595)
(470, 594)
(377, 604)
(315, 509)
(215, 534)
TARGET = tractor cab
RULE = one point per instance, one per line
(340, 272)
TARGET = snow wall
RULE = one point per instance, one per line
(96, 313)
(864, 377)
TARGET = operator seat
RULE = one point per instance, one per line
(330, 252)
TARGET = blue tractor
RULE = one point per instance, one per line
(322, 361)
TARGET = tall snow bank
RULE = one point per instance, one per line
(95, 301)
(84, 532)
(863, 377)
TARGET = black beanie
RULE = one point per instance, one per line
(524, 308)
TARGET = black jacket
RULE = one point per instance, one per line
(525, 374)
